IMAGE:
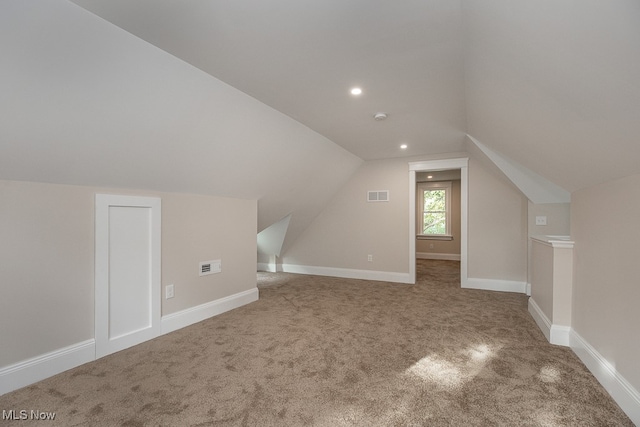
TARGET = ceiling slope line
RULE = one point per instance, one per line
(271, 239)
(535, 187)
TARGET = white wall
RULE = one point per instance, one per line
(497, 227)
(47, 253)
(349, 228)
(604, 226)
(86, 103)
(558, 223)
(558, 219)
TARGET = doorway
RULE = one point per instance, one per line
(433, 166)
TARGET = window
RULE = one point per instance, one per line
(434, 204)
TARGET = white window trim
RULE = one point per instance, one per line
(446, 185)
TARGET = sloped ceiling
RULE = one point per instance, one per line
(302, 57)
(84, 102)
(250, 98)
(555, 85)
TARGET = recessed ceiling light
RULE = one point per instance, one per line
(380, 116)
(404, 146)
(356, 91)
(429, 176)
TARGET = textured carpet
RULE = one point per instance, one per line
(335, 352)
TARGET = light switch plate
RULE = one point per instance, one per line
(541, 220)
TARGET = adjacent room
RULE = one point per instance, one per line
(319, 213)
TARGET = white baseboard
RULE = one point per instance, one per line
(46, 365)
(555, 334)
(38, 368)
(265, 266)
(429, 255)
(347, 273)
(625, 395)
(540, 318)
(560, 335)
(528, 290)
(496, 285)
(180, 319)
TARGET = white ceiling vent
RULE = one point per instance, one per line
(378, 196)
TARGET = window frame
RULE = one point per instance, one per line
(433, 185)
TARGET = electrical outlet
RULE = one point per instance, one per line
(430, 245)
(541, 220)
(168, 292)
(370, 258)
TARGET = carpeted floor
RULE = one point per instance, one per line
(335, 352)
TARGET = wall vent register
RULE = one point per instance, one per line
(378, 196)
(210, 267)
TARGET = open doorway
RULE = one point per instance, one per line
(415, 168)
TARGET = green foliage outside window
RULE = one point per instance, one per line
(435, 212)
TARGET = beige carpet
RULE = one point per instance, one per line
(334, 352)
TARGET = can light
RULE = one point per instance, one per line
(404, 146)
(356, 91)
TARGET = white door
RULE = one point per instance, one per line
(127, 271)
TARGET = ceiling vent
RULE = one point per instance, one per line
(378, 196)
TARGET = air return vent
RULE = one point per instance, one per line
(210, 267)
(378, 196)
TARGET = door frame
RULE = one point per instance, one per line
(461, 163)
(101, 297)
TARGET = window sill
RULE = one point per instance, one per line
(434, 237)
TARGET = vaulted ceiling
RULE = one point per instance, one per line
(153, 93)
(302, 57)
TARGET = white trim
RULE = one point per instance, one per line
(540, 318)
(429, 255)
(435, 185)
(439, 165)
(528, 289)
(174, 321)
(496, 285)
(562, 242)
(625, 395)
(560, 335)
(266, 266)
(105, 344)
(555, 334)
(461, 163)
(38, 368)
(412, 224)
(448, 237)
(348, 273)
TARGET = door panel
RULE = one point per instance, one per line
(127, 271)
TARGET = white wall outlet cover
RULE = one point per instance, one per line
(168, 292)
(541, 220)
